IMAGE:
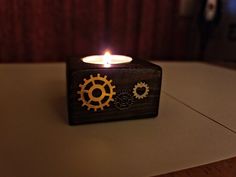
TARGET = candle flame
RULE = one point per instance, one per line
(107, 59)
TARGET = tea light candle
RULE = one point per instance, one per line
(111, 87)
(107, 59)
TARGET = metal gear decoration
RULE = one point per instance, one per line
(96, 92)
(144, 90)
(123, 100)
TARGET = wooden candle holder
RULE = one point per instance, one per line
(120, 92)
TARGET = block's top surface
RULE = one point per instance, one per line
(77, 63)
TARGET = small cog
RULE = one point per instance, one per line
(96, 92)
(140, 90)
(123, 100)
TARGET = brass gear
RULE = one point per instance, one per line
(140, 85)
(87, 92)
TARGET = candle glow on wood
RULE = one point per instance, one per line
(107, 59)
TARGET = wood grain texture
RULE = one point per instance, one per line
(225, 168)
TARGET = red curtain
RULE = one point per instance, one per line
(52, 30)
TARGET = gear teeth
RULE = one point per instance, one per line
(140, 85)
(101, 102)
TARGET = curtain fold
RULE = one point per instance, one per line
(52, 30)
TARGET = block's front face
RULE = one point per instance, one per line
(106, 94)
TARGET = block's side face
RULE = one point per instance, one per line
(96, 95)
(70, 95)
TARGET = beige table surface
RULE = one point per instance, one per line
(36, 140)
(207, 88)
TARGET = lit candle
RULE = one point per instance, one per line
(107, 59)
(111, 87)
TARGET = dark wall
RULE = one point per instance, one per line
(222, 40)
(51, 30)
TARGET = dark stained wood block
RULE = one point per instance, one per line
(120, 92)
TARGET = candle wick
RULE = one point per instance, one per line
(107, 59)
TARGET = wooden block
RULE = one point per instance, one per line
(120, 92)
